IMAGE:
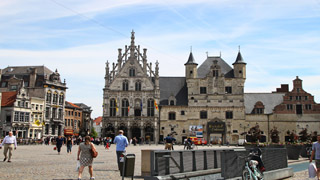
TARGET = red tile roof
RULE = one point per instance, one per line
(8, 98)
(98, 120)
(73, 104)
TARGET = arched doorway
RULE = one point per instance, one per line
(124, 129)
(110, 131)
(149, 133)
(136, 132)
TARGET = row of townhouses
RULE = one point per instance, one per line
(209, 101)
(33, 104)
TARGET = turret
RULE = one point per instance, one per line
(239, 67)
(191, 67)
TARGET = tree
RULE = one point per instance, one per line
(93, 133)
(304, 136)
(255, 133)
(274, 133)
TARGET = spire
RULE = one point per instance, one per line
(132, 46)
(191, 60)
(239, 59)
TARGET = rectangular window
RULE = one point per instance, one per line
(306, 98)
(32, 106)
(13, 88)
(18, 103)
(203, 114)
(47, 112)
(308, 106)
(259, 111)
(3, 84)
(65, 122)
(21, 117)
(229, 115)
(16, 116)
(182, 112)
(290, 98)
(41, 107)
(60, 114)
(172, 116)
(37, 107)
(26, 118)
(289, 106)
(228, 89)
(203, 90)
(235, 131)
(54, 113)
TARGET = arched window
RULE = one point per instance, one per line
(125, 107)
(150, 108)
(55, 98)
(125, 85)
(48, 100)
(132, 72)
(172, 103)
(61, 99)
(138, 86)
(113, 107)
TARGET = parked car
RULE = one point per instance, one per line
(198, 141)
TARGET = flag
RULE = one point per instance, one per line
(141, 105)
(37, 122)
(156, 105)
(128, 109)
(43, 123)
(116, 105)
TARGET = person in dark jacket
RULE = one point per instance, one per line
(60, 142)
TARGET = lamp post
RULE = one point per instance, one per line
(244, 129)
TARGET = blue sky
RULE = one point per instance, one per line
(279, 39)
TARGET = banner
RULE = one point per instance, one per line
(196, 131)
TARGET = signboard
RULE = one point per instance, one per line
(68, 132)
(196, 131)
(216, 127)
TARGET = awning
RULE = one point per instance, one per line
(68, 132)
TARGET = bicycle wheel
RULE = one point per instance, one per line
(246, 175)
(194, 147)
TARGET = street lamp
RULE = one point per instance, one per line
(244, 129)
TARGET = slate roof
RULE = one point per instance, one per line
(175, 86)
(8, 98)
(10, 70)
(269, 100)
(239, 59)
(204, 68)
(191, 60)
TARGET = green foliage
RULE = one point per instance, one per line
(93, 133)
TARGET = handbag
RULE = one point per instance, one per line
(94, 152)
(54, 148)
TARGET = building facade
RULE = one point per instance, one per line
(207, 103)
(284, 110)
(37, 118)
(131, 94)
(73, 118)
(39, 82)
(16, 113)
(86, 122)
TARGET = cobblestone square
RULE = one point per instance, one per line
(42, 162)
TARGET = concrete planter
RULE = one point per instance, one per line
(303, 151)
(293, 151)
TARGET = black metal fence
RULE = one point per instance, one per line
(234, 161)
(171, 162)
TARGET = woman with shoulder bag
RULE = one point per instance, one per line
(85, 156)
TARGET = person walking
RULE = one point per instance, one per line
(9, 143)
(85, 157)
(69, 144)
(169, 142)
(316, 155)
(121, 142)
(59, 143)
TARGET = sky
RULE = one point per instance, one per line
(278, 40)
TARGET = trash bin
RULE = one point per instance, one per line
(127, 166)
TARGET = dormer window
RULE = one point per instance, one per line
(132, 72)
(215, 73)
(258, 108)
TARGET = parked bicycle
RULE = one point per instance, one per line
(190, 145)
(254, 167)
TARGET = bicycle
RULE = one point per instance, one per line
(191, 146)
(251, 172)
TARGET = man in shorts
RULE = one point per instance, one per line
(316, 155)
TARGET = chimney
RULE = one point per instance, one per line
(33, 77)
(284, 88)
